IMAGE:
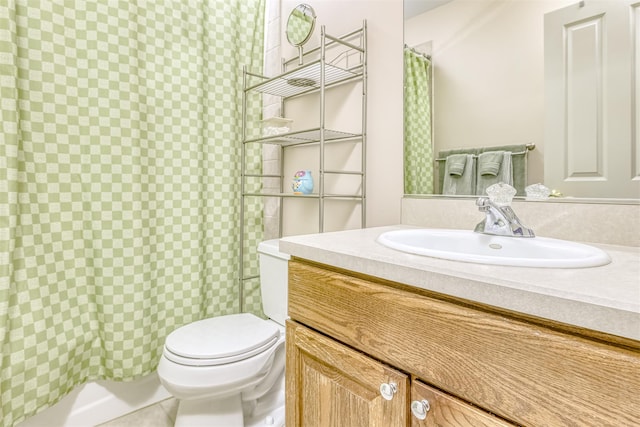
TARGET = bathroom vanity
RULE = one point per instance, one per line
(381, 338)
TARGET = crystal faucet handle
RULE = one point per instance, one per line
(501, 194)
(537, 192)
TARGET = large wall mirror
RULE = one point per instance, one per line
(488, 62)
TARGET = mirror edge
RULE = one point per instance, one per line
(583, 200)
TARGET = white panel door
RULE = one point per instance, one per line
(591, 99)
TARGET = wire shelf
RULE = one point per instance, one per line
(305, 79)
(304, 137)
(351, 197)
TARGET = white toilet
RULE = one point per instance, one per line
(228, 371)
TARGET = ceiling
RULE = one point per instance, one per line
(416, 7)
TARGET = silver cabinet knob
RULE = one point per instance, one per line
(387, 390)
(420, 408)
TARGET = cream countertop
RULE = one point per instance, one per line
(605, 298)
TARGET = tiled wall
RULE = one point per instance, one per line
(594, 222)
(272, 108)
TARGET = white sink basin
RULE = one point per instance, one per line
(469, 246)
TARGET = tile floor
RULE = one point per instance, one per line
(162, 414)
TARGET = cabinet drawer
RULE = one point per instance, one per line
(445, 410)
(532, 375)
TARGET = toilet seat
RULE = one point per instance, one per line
(220, 340)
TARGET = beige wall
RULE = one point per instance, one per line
(384, 112)
(488, 86)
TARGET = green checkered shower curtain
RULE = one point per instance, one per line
(119, 183)
(418, 148)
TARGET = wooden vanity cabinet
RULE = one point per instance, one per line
(476, 366)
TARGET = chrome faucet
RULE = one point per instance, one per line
(500, 220)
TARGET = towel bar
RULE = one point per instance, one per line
(528, 147)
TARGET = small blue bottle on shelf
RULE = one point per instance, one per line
(302, 182)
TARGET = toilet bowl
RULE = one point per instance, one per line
(229, 370)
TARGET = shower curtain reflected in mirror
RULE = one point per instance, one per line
(418, 147)
(119, 179)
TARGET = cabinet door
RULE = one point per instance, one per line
(444, 410)
(329, 384)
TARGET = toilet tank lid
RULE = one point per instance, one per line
(272, 247)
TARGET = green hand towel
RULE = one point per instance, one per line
(519, 163)
(456, 164)
(444, 154)
(489, 163)
(463, 184)
(505, 174)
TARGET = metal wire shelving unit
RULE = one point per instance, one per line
(314, 73)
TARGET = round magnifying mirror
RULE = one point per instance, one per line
(300, 24)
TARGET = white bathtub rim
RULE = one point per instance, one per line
(100, 401)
